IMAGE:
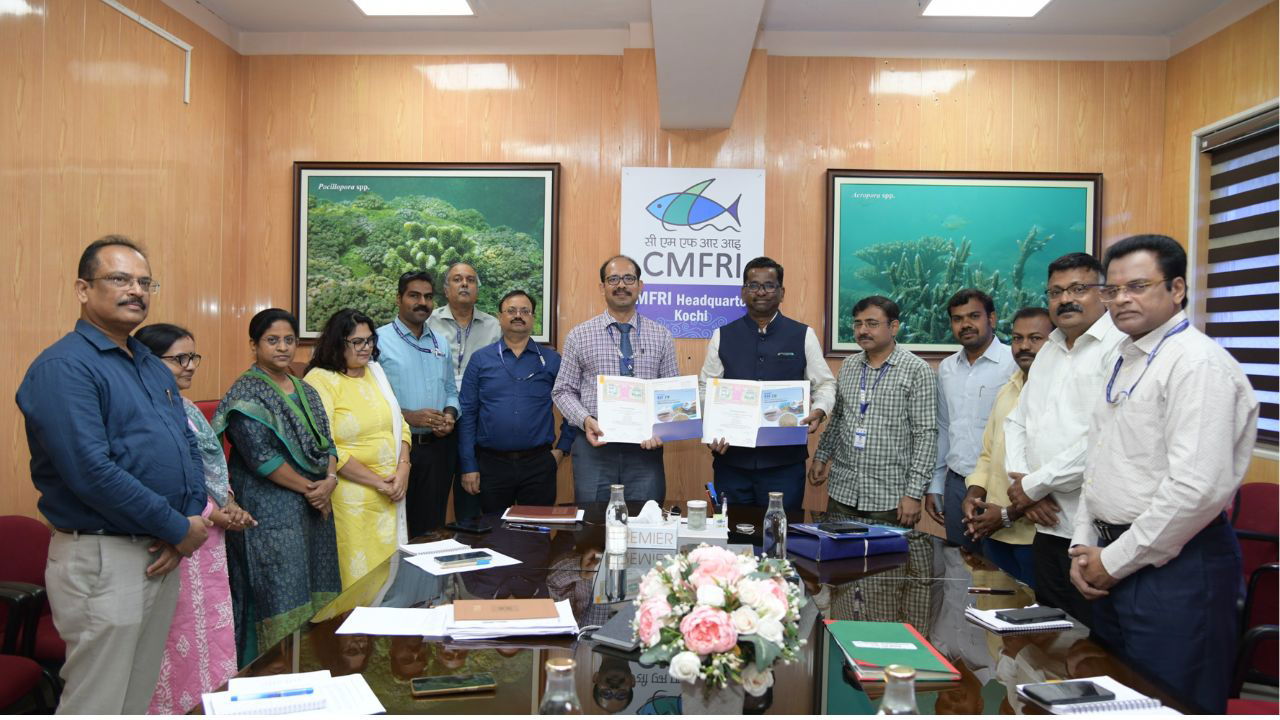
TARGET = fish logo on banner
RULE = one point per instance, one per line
(694, 210)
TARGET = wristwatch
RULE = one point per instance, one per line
(1004, 517)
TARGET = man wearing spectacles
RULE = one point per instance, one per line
(121, 481)
(1171, 436)
(619, 341)
(764, 344)
(507, 427)
(1046, 434)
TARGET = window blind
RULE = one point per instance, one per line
(1243, 293)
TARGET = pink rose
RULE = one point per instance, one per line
(714, 565)
(649, 620)
(708, 630)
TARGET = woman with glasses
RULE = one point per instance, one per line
(372, 442)
(282, 459)
(200, 653)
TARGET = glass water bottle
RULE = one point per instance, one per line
(561, 696)
(615, 522)
(899, 691)
(775, 527)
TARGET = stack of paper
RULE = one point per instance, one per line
(424, 555)
(563, 624)
(542, 514)
(313, 693)
(442, 621)
(433, 547)
(988, 620)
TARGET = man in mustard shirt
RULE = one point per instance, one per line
(987, 510)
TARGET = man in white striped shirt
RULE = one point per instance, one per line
(1170, 441)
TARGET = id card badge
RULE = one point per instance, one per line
(860, 438)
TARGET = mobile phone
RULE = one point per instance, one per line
(617, 632)
(473, 527)
(1021, 616)
(450, 684)
(842, 527)
(468, 558)
(1067, 693)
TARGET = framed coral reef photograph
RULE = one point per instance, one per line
(918, 237)
(360, 226)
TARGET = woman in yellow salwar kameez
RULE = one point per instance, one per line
(372, 440)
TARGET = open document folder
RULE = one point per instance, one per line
(312, 693)
(441, 622)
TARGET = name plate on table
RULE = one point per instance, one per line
(656, 535)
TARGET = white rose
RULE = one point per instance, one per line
(755, 682)
(711, 595)
(749, 593)
(685, 666)
(745, 620)
(771, 607)
(770, 629)
(747, 565)
(653, 586)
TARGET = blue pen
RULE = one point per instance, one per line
(275, 694)
(523, 526)
(711, 492)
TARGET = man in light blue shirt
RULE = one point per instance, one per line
(967, 385)
(417, 362)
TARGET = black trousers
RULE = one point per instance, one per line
(1053, 578)
(507, 481)
(430, 476)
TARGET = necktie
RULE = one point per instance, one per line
(626, 366)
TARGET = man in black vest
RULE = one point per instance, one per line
(766, 345)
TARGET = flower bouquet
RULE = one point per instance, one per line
(719, 618)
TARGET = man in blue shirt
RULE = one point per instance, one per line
(507, 426)
(417, 362)
(120, 479)
(967, 385)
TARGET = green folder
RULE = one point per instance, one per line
(870, 646)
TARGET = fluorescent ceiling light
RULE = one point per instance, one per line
(983, 8)
(414, 7)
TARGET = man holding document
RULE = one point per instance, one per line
(766, 345)
(618, 342)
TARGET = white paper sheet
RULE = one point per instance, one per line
(346, 695)
(423, 622)
(433, 547)
(428, 563)
(732, 412)
(623, 409)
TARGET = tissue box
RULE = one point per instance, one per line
(663, 535)
(808, 541)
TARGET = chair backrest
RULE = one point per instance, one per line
(1257, 525)
(26, 544)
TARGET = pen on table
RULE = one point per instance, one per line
(990, 591)
(523, 526)
(273, 694)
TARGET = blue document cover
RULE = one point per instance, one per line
(806, 540)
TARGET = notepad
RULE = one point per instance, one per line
(543, 514)
(1127, 700)
(987, 619)
(346, 695)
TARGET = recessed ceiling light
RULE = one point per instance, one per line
(983, 8)
(414, 7)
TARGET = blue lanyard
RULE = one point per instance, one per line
(626, 363)
(503, 360)
(863, 400)
(1150, 357)
(462, 341)
(415, 345)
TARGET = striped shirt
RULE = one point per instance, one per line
(901, 432)
(593, 348)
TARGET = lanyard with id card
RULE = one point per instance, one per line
(864, 402)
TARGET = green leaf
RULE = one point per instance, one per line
(765, 651)
(656, 654)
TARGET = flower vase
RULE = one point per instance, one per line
(702, 699)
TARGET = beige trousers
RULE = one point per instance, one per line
(114, 620)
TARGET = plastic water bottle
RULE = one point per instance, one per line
(775, 527)
(899, 691)
(615, 522)
(561, 695)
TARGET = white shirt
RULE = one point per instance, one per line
(822, 383)
(965, 396)
(1046, 435)
(1170, 457)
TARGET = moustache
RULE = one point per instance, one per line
(131, 301)
(863, 337)
(422, 308)
(1069, 307)
(1027, 355)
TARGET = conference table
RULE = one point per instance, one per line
(568, 563)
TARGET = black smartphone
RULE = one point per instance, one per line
(843, 528)
(1067, 693)
(467, 558)
(474, 527)
(450, 684)
(1021, 616)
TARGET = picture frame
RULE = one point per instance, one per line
(919, 236)
(359, 225)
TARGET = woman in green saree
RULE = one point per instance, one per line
(282, 471)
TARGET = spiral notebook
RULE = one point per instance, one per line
(1127, 700)
(987, 619)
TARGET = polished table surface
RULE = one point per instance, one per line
(567, 564)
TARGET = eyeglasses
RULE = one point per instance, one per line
(867, 324)
(616, 280)
(515, 311)
(120, 281)
(184, 360)
(1076, 290)
(1110, 293)
(361, 342)
(768, 288)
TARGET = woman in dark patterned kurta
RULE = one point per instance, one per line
(285, 569)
